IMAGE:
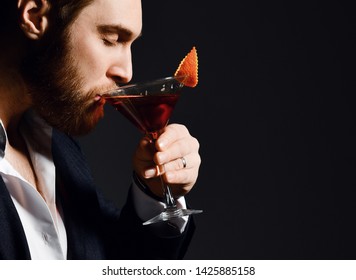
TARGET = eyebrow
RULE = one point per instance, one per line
(116, 29)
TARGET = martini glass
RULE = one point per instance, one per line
(149, 106)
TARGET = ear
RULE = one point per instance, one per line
(33, 17)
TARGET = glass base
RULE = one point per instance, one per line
(171, 213)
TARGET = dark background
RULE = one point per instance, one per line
(274, 112)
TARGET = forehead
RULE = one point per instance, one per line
(126, 13)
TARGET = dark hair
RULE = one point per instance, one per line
(8, 17)
(62, 14)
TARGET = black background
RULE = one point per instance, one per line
(274, 112)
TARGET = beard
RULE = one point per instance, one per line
(55, 87)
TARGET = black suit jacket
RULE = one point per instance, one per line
(95, 228)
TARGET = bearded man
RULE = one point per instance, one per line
(56, 56)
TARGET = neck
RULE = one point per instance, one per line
(14, 102)
(13, 95)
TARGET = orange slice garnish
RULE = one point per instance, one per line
(188, 67)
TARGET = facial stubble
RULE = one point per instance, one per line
(56, 88)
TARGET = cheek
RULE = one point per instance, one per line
(88, 57)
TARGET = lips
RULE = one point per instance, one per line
(99, 100)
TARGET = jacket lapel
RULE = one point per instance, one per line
(78, 198)
(77, 195)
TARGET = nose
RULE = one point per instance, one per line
(120, 69)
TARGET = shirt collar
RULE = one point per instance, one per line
(2, 140)
(35, 124)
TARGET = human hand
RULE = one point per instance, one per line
(174, 155)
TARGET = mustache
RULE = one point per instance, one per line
(102, 89)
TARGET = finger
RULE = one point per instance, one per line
(171, 134)
(186, 162)
(181, 178)
(145, 150)
(191, 161)
(177, 150)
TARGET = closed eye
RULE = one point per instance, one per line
(110, 41)
(114, 34)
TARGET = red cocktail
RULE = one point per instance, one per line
(149, 106)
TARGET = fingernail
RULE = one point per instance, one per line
(149, 173)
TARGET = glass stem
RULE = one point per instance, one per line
(169, 200)
(168, 197)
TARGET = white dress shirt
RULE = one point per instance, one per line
(40, 214)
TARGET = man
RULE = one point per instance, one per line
(56, 57)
